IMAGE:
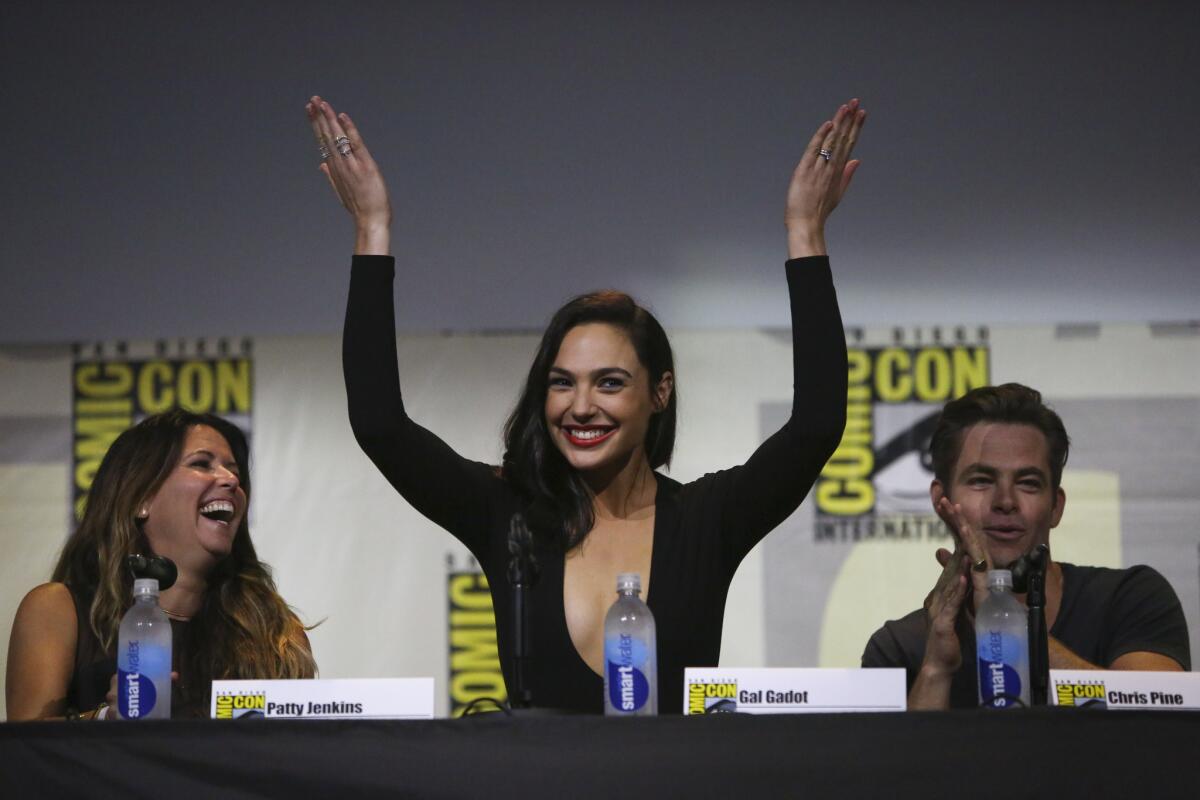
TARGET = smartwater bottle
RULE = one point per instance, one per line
(1002, 642)
(630, 653)
(144, 657)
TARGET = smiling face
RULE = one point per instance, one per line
(1002, 481)
(195, 514)
(599, 399)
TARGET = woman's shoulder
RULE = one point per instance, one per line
(47, 614)
(51, 599)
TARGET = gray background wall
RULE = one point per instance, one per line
(1023, 161)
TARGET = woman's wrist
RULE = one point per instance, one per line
(372, 238)
(805, 240)
(99, 712)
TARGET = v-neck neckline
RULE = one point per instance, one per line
(661, 481)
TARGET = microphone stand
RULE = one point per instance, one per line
(522, 575)
(1039, 648)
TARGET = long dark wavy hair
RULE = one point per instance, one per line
(559, 504)
(244, 629)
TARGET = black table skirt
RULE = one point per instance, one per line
(1057, 753)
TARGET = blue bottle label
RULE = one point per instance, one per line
(136, 694)
(999, 683)
(628, 689)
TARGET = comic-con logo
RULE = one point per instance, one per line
(712, 697)
(115, 386)
(242, 704)
(474, 654)
(876, 484)
(1091, 694)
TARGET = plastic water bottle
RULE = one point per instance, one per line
(1002, 642)
(630, 653)
(144, 657)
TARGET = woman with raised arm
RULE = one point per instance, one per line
(175, 485)
(594, 422)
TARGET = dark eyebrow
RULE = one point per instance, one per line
(1035, 471)
(596, 373)
(232, 466)
(985, 469)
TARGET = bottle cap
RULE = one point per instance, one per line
(1000, 577)
(145, 586)
(629, 580)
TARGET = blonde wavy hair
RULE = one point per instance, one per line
(244, 629)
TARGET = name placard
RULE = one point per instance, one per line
(1121, 690)
(709, 690)
(337, 698)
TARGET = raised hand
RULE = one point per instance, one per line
(354, 175)
(943, 652)
(820, 180)
(943, 603)
(968, 543)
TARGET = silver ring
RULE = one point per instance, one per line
(825, 154)
(325, 154)
(343, 145)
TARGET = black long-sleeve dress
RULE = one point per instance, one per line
(702, 529)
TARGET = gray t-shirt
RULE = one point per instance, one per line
(1104, 614)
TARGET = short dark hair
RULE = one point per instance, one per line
(1010, 403)
(559, 503)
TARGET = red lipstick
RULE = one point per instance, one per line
(572, 432)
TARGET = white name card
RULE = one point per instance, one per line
(338, 698)
(708, 690)
(1124, 690)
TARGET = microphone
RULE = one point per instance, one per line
(523, 571)
(160, 568)
(1027, 565)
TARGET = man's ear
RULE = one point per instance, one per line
(662, 392)
(1060, 505)
(936, 492)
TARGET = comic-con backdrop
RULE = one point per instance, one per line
(392, 595)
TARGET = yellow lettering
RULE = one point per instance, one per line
(893, 375)
(933, 376)
(233, 386)
(472, 619)
(970, 369)
(195, 386)
(849, 461)
(468, 686)
(846, 498)
(99, 408)
(156, 393)
(473, 649)
(93, 437)
(469, 590)
(858, 366)
(103, 380)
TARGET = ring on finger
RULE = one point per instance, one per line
(825, 154)
(343, 145)
(980, 565)
(325, 154)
